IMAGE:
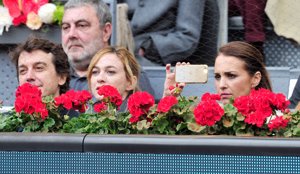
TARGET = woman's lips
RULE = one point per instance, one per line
(226, 95)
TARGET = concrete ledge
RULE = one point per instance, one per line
(149, 144)
(49, 142)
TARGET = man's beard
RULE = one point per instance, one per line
(81, 61)
(80, 64)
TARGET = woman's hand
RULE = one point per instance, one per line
(170, 83)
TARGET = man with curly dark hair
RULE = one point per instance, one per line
(42, 63)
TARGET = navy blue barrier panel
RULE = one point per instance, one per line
(184, 144)
(139, 163)
(56, 153)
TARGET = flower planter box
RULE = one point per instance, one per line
(19, 34)
(81, 153)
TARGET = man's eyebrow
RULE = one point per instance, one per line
(82, 20)
(36, 63)
(77, 21)
(40, 63)
(21, 65)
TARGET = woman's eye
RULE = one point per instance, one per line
(231, 76)
(95, 72)
(111, 72)
(217, 77)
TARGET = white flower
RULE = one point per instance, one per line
(5, 19)
(46, 12)
(33, 22)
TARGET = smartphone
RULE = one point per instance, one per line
(191, 73)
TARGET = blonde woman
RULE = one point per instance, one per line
(117, 67)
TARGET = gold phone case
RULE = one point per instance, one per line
(191, 73)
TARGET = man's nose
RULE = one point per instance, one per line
(30, 76)
(73, 32)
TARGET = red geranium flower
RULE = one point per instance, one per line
(256, 107)
(280, 102)
(29, 100)
(99, 107)
(166, 103)
(257, 118)
(259, 105)
(278, 122)
(139, 103)
(74, 99)
(64, 100)
(110, 94)
(207, 112)
(28, 89)
(208, 96)
(243, 105)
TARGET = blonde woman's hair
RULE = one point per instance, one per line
(131, 66)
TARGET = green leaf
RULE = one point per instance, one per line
(296, 132)
(94, 119)
(112, 117)
(31, 126)
(195, 127)
(230, 110)
(143, 125)
(58, 14)
(244, 132)
(181, 126)
(48, 123)
(188, 117)
(160, 115)
(227, 121)
(3, 121)
(288, 133)
(48, 99)
(240, 117)
(212, 130)
(161, 125)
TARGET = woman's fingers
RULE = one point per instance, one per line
(168, 68)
